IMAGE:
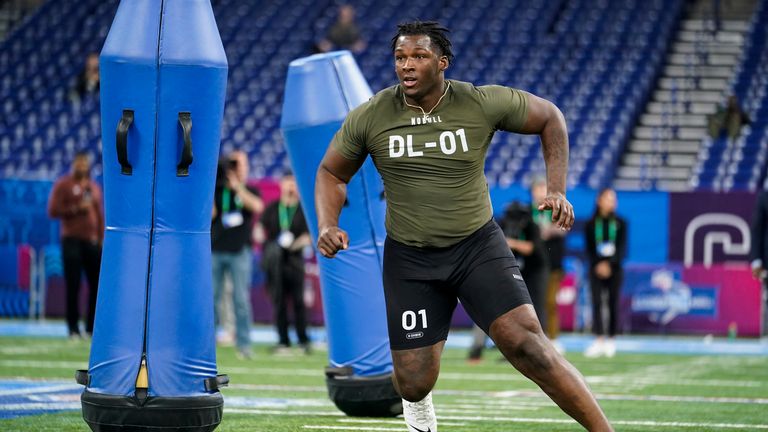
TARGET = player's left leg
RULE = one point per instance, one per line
(493, 292)
(519, 337)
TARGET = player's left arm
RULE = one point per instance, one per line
(546, 120)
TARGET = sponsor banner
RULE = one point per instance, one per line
(719, 300)
(709, 228)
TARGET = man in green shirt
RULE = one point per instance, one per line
(428, 138)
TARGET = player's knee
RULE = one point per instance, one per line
(412, 387)
(533, 349)
(524, 344)
(414, 391)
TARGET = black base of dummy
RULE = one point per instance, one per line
(363, 396)
(110, 413)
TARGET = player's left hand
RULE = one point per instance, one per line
(562, 210)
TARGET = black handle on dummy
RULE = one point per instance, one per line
(122, 142)
(182, 169)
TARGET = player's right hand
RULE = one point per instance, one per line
(331, 240)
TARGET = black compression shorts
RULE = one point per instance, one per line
(422, 285)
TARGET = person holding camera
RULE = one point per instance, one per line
(287, 236)
(234, 206)
(77, 201)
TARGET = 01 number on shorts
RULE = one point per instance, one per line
(410, 321)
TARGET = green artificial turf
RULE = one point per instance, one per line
(287, 393)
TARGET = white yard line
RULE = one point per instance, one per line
(277, 387)
(29, 350)
(501, 403)
(620, 380)
(470, 407)
(41, 389)
(660, 376)
(38, 364)
(620, 397)
(41, 406)
(472, 393)
(641, 423)
(396, 422)
(648, 423)
(354, 428)
(285, 413)
(528, 394)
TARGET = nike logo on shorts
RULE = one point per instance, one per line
(419, 430)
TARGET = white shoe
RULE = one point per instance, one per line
(595, 350)
(420, 416)
(609, 349)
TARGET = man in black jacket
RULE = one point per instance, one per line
(286, 238)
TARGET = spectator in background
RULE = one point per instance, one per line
(344, 33)
(759, 252)
(554, 249)
(77, 201)
(234, 206)
(606, 240)
(88, 81)
(524, 239)
(730, 119)
(287, 236)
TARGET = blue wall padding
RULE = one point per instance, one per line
(155, 290)
(319, 92)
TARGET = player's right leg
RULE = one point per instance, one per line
(419, 310)
(415, 374)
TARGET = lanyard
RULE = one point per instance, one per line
(599, 230)
(286, 215)
(225, 201)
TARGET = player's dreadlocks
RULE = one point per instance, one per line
(433, 29)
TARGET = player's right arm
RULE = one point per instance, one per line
(334, 173)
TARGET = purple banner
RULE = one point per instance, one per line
(708, 228)
(673, 299)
